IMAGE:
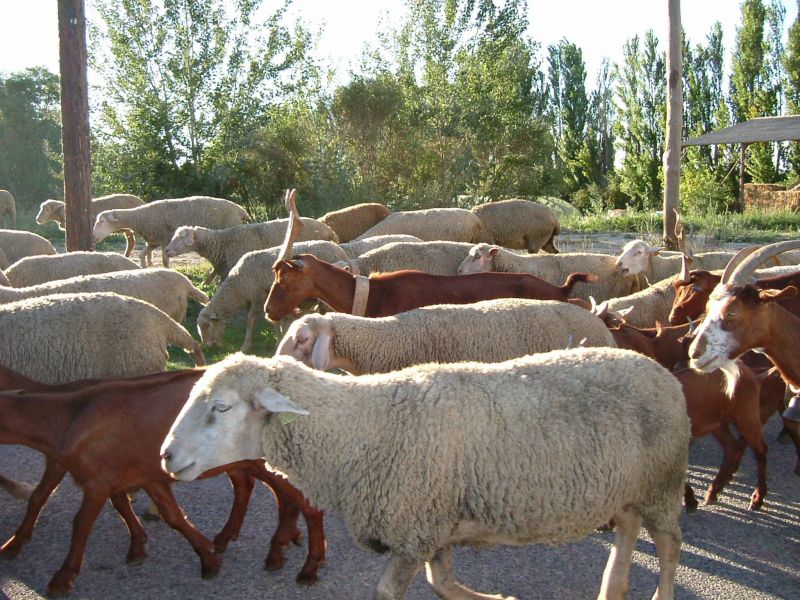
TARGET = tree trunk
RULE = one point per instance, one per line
(672, 153)
(75, 124)
(740, 200)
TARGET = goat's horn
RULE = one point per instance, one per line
(692, 326)
(593, 303)
(680, 234)
(741, 274)
(684, 275)
(734, 262)
(294, 227)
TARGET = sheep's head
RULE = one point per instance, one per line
(51, 210)
(210, 327)
(479, 260)
(223, 419)
(310, 340)
(691, 296)
(635, 257)
(105, 224)
(182, 241)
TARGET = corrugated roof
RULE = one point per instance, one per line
(763, 129)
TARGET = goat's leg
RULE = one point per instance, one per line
(443, 581)
(732, 450)
(290, 500)
(689, 500)
(136, 550)
(396, 578)
(243, 485)
(754, 437)
(93, 501)
(20, 491)
(130, 242)
(53, 474)
(173, 516)
(628, 522)
(792, 429)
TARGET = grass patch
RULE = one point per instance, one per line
(752, 226)
(264, 340)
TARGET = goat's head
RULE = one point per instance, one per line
(292, 285)
(182, 241)
(479, 260)
(635, 257)
(691, 295)
(739, 317)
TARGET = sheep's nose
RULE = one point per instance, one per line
(166, 456)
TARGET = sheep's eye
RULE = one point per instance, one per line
(220, 408)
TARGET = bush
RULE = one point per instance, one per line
(701, 194)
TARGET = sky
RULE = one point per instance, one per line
(29, 29)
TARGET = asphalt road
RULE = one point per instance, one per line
(728, 552)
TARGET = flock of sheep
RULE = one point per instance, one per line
(489, 396)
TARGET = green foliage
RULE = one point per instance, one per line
(30, 137)
(702, 194)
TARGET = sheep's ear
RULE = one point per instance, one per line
(653, 250)
(112, 217)
(321, 352)
(188, 237)
(274, 402)
(494, 250)
(212, 316)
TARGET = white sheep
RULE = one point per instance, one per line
(224, 247)
(248, 283)
(34, 270)
(157, 221)
(19, 244)
(637, 256)
(165, 289)
(3, 279)
(520, 224)
(553, 268)
(540, 449)
(488, 331)
(66, 337)
(4, 263)
(352, 221)
(432, 224)
(8, 207)
(356, 248)
(55, 210)
(436, 258)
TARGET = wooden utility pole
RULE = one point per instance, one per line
(672, 148)
(75, 124)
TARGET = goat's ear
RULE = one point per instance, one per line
(772, 295)
(321, 352)
(275, 402)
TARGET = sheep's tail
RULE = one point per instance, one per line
(182, 339)
(574, 278)
(197, 295)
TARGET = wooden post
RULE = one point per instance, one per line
(672, 146)
(740, 201)
(75, 124)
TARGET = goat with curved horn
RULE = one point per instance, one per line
(294, 227)
(742, 272)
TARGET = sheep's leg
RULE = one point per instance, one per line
(252, 315)
(210, 277)
(732, 450)
(146, 255)
(243, 485)
(92, 504)
(668, 548)
(136, 550)
(617, 572)
(549, 245)
(20, 491)
(399, 574)
(443, 582)
(130, 242)
(173, 516)
(164, 257)
(53, 474)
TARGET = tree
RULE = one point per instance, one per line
(30, 135)
(791, 64)
(187, 83)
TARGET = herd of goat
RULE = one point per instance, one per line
(462, 411)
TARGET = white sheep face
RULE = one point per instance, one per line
(298, 342)
(48, 211)
(181, 242)
(104, 225)
(479, 260)
(215, 427)
(210, 327)
(635, 257)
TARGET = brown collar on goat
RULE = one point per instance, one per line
(360, 296)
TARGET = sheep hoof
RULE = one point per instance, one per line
(784, 437)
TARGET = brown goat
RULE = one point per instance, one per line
(305, 276)
(692, 294)
(711, 411)
(108, 437)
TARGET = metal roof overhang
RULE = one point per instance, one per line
(763, 129)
